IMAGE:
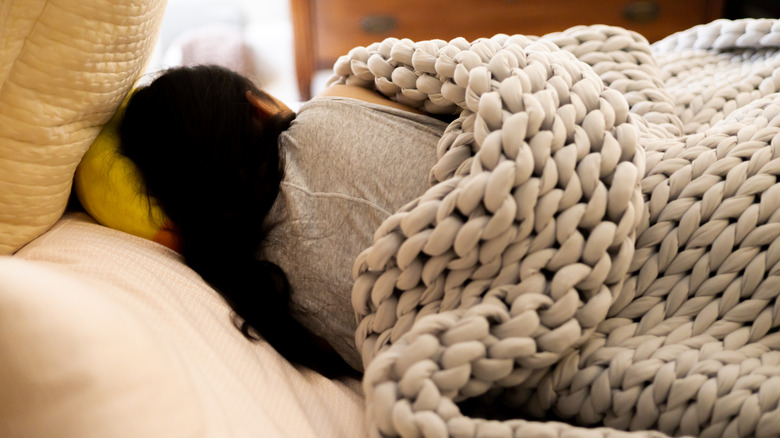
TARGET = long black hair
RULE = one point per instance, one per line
(213, 163)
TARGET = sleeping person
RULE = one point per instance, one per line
(272, 207)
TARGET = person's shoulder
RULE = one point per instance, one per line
(366, 95)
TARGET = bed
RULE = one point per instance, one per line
(108, 334)
(104, 333)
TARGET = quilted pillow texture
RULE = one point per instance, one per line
(65, 66)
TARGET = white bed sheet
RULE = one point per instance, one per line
(245, 388)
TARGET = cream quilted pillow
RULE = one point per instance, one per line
(65, 66)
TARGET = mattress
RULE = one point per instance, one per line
(228, 385)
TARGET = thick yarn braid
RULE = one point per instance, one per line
(599, 240)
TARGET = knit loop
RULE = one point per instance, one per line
(600, 239)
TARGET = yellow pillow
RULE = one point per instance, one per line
(110, 188)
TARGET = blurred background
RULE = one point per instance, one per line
(288, 46)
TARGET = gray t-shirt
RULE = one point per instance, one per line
(349, 165)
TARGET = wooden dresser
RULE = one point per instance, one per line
(326, 29)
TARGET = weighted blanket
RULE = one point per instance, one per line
(598, 252)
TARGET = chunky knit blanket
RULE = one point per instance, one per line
(598, 252)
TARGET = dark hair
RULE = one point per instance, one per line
(215, 168)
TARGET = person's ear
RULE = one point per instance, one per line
(262, 110)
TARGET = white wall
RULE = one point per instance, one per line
(264, 25)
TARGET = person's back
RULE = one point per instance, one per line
(206, 141)
(349, 164)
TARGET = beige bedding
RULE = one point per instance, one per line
(116, 333)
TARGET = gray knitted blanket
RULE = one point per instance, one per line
(598, 251)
